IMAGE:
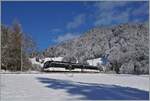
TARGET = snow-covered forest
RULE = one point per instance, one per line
(126, 46)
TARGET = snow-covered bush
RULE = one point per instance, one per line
(127, 67)
(36, 67)
(69, 59)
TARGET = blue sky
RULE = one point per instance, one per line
(50, 23)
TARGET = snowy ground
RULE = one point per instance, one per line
(63, 87)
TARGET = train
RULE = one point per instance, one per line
(69, 65)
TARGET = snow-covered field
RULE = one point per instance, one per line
(63, 87)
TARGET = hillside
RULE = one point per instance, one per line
(126, 44)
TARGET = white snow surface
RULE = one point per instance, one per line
(94, 62)
(54, 59)
(73, 87)
(33, 61)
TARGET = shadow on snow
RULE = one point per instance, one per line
(92, 91)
